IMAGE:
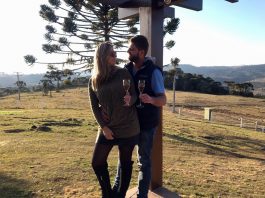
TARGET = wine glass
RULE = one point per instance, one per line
(126, 85)
(141, 85)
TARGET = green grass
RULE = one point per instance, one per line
(200, 158)
(10, 112)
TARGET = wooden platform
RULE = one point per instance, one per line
(157, 193)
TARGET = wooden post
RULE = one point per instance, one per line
(241, 122)
(18, 86)
(174, 93)
(208, 114)
(151, 21)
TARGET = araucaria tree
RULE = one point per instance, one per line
(77, 26)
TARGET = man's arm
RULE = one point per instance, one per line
(159, 101)
(158, 87)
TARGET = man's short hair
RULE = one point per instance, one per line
(140, 42)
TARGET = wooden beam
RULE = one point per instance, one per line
(189, 4)
(125, 13)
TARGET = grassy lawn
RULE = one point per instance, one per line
(201, 158)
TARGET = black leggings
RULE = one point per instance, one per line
(101, 153)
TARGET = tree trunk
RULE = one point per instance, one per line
(174, 94)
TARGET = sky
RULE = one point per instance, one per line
(222, 34)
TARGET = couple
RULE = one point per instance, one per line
(125, 125)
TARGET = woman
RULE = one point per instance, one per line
(118, 123)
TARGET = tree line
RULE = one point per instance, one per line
(198, 83)
(55, 80)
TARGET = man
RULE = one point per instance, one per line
(153, 97)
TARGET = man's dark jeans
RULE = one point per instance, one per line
(144, 161)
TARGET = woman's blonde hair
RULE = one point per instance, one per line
(101, 71)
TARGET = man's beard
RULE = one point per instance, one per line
(134, 58)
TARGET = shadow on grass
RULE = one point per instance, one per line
(13, 188)
(14, 130)
(215, 149)
(67, 122)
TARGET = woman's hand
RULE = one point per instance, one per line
(108, 133)
(127, 99)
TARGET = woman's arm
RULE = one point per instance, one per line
(94, 104)
(99, 114)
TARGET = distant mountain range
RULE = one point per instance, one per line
(9, 80)
(252, 73)
(239, 74)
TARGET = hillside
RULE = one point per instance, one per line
(239, 74)
(8, 80)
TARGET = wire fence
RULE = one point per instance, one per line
(220, 116)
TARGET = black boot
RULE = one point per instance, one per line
(117, 180)
(123, 178)
(104, 180)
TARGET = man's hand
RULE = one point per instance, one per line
(158, 100)
(145, 98)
